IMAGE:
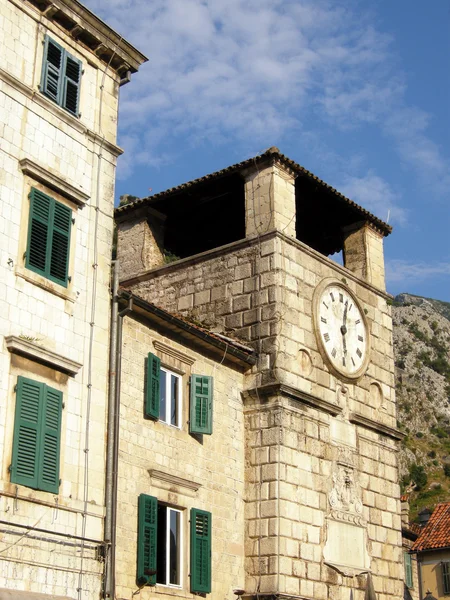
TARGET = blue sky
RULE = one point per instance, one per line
(356, 91)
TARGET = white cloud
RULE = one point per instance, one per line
(259, 70)
(376, 195)
(407, 272)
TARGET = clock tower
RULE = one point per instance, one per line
(257, 244)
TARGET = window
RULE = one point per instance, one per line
(446, 577)
(61, 76)
(36, 441)
(408, 569)
(163, 397)
(169, 397)
(48, 237)
(160, 542)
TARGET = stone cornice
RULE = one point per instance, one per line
(391, 432)
(53, 181)
(165, 349)
(282, 389)
(174, 480)
(97, 36)
(29, 349)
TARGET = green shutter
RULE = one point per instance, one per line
(60, 243)
(446, 577)
(38, 231)
(201, 408)
(147, 540)
(37, 433)
(52, 65)
(408, 570)
(71, 85)
(200, 551)
(25, 453)
(50, 441)
(48, 237)
(152, 387)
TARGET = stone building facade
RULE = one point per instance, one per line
(60, 72)
(316, 419)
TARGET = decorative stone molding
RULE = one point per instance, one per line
(375, 426)
(53, 181)
(176, 354)
(24, 347)
(174, 480)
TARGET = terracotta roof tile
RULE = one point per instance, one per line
(436, 534)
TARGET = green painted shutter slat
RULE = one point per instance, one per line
(71, 86)
(25, 453)
(201, 404)
(38, 231)
(446, 577)
(60, 243)
(50, 441)
(152, 386)
(200, 551)
(147, 540)
(408, 570)
(51, 69)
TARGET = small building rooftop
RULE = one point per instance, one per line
(436, 534)
(215, 206)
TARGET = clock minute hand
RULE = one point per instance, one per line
(344, 328)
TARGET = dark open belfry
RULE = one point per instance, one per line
(210, 212)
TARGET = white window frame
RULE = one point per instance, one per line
(167, 418)
(169, 510)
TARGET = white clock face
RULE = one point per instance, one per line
(342, 330)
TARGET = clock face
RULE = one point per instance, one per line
(342, 330)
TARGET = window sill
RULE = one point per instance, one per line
(24, 347)
(44, 283)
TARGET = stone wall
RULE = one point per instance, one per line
(46, 147)
(179, 469)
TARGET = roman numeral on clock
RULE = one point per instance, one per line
(341, 298)
(358, 352)
(334, 352)
(332, 296)
(360, 338)
(325, 304)
(358, 321)
(326, 337)
(323, 319)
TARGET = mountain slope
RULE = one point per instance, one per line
(422, 360)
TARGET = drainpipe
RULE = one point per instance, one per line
(116, 438)
(109, 485)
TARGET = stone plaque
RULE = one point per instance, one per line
(346, 547)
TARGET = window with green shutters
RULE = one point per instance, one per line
(201, 409)
(48, 244)
(446, 577)
(61, 76)
(408, 569)
(200, 551)
(37, 436)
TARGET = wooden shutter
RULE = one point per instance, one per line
(200, 551)
(60, 243)
(25, 453)
(38, 231)
(446, 577)
(152, 387)
(52, 65)
(408, 570)
(147, 540)
(201, 408)
(50, 440)
(71, 85)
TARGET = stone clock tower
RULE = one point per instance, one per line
(255, 244)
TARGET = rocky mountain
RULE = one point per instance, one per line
(422, 361)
